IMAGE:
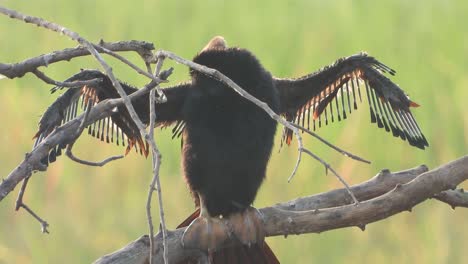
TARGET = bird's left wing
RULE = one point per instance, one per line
(119, 128)
(332, 93)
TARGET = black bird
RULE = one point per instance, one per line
(227, 140)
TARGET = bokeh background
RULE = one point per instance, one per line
(93, 211)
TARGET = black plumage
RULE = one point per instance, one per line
(227, 140)
(341, 78)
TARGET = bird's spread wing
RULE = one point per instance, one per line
(119, 128)
(334, 91)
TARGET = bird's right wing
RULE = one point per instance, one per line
(337, 87)
(119, 128)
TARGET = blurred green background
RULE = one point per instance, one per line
(93, 211)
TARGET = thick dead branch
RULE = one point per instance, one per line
(455, 198)
(386, 194)
(376, 186)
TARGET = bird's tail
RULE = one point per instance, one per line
(258, 253)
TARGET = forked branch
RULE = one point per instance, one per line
(384, 195)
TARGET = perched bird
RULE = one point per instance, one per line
(227, 140)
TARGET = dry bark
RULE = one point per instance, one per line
(384, 195)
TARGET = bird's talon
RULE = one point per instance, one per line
(207, 234)
(248, 226)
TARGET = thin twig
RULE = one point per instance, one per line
(44, 224)
(148, 67)
(83, 121)
(299, 156)
(344, 152)
(138, 69)
(328, 167)
(19, 200)
(69, 152)
(90, 163)
(49, 80)
(155, 182)
(21, 204)
(129, 63)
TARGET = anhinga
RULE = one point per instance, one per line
(227, 140)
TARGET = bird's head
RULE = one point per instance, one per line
(238, 64)
(216, 43)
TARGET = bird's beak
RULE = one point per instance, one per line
(218, 43)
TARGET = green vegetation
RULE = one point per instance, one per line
(93, 211)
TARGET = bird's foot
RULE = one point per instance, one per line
(206, 233)
(211, 233)
(248, 226)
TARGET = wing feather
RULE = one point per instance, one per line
(313, 95)
(118, 128)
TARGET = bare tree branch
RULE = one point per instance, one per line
(49, 80)
(155, 183)
(124, 60)
(15, 70)
(378, 185)
(455, 198)
(386, 194)
(20, 204)
(328, 167)
(44, 224)
(341, 151)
